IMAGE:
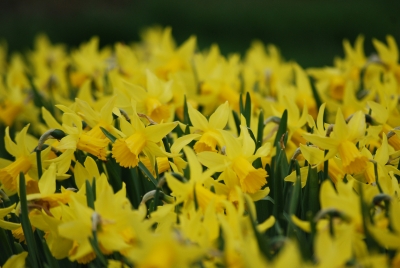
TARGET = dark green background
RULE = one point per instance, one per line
(310, 32)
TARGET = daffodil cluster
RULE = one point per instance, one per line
(158, 155)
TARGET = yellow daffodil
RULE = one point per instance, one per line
(48, 221)
(137, 139)
(152, 101)
(90, 64)
(239, 158)
(209, 130)
(78, 139)
(47, 197)
(185, 192)
(111, 219)
(341, 142)
(7, 224)
(24, 162)
(97, 120)
(16, 261)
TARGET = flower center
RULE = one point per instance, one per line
(93, 145)
(207, 142)
(126, 151)
(156, 110)
(9, 174)
(353, 161)
(251, 179)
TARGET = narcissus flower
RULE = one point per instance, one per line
(25, 161)
(342, 142)
(78, 139)
(185, 191)
(209, 130)
(47, 197)
(7, 224)
(239, 157)
(152, 101)
(139, 138)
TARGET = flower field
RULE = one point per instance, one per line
(154, 154)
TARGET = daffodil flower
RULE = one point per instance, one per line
(137, 139)
(78, 139)
(341, 142)
(16, 261)
(389, 238)
(6, 224)
(58, 245)
(25, 161)
(47, 198)
(152, 101)
(112, 220)
(185, 191)
(177, 164)
(315, 157)
(239, 158)
(97, 120)
(209, 130)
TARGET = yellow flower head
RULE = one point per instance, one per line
(342, 142)
(138, 139)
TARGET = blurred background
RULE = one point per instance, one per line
(308, 31)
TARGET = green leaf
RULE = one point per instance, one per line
(144, 169)
(260, 130)
(247, 109)
(33, 255)
(241, 106)
(277, 193)
(51, 261)
(39, 163)
(186, 118)
(252, 137)
(114, 174)
(294, 201)
(282, 129)
(196, 203)
(316, 96)
(133, 186)
(237, 121)
(89, 195)
(5, 247)
(262, 241)
(99, 256)
(108, 135)
(311, 193)
(165, 141)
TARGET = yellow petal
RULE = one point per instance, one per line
(340, 128)
(183, 141)
(356, 126)
(47, 183)
(92, 168)
(81, 175)
(268, 223)
(5, 211)
(11, 147)
(322, 142)
(155, 133)
(16, 261)
(106, 110)
(219, 118)
(312, 154)
(260, 194)
(248, 146)
(50, 120)
(198, 120)
(9, 225)
(211, 159)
